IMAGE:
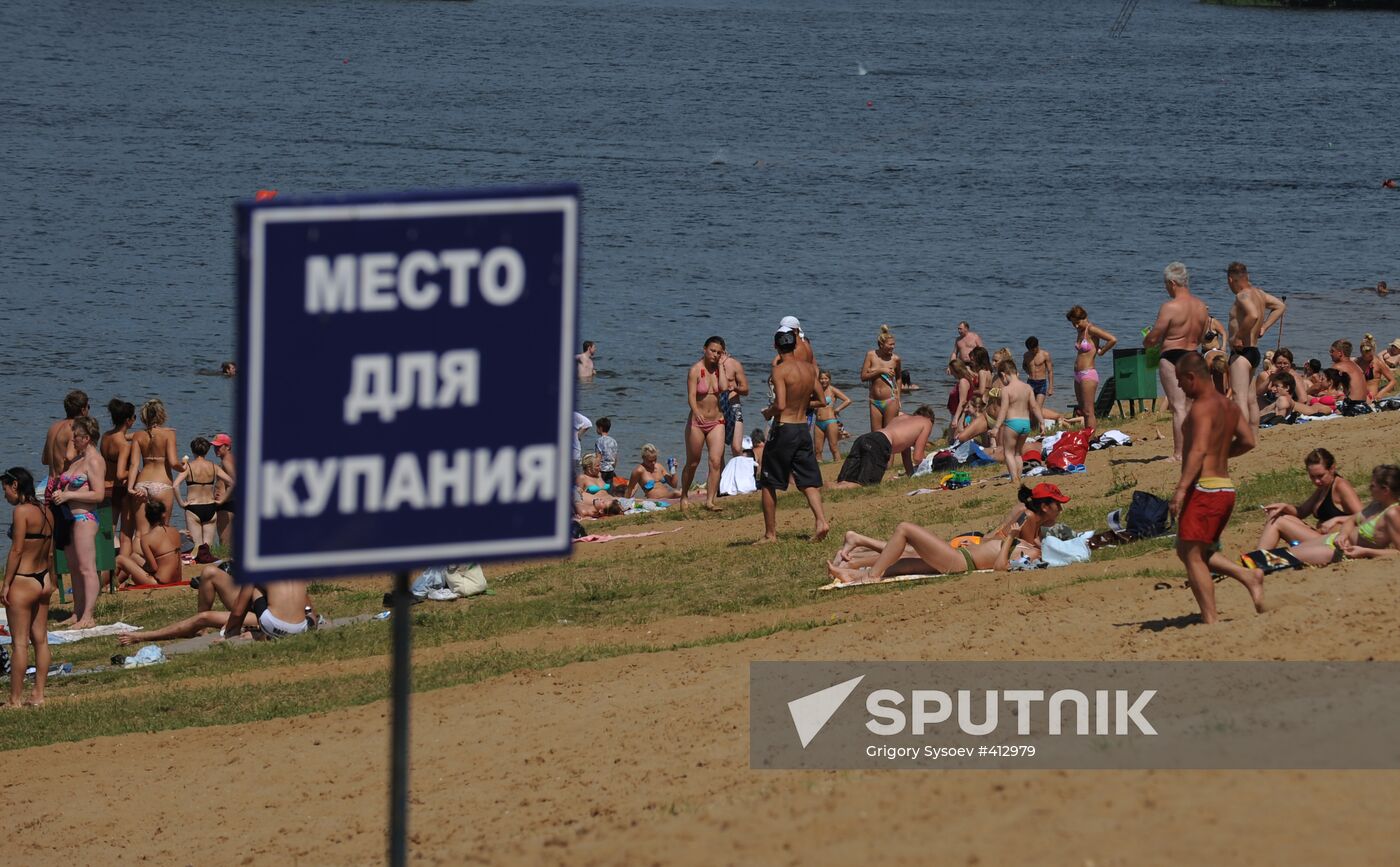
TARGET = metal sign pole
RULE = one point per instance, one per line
(398, 737)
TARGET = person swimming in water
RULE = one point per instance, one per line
(881, 369)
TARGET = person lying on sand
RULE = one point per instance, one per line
(274, 610)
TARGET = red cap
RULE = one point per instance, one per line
(224, 440)
(1047, 491)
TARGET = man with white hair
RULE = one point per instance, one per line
(1181, 323)
(967, 341)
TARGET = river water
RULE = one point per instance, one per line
(998, 161)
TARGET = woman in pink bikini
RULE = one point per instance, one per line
(81, 487)
(153, 449)
(1090, 342)
(705, 425)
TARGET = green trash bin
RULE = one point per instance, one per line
(106, 550)
(1134, 377)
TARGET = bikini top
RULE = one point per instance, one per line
(73, 481)
(1085, 345)
(192, 482)
(593, 489)
(703, 386)
(1367, 529)
(828, 400)
(1327, 510)
(31, 534)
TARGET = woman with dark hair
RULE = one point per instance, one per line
(200, 505)
(704, 427)
(154, 462)
(159, 561)
(28, 586)
(1091, 341)
(115, 447)
(1329, 396)
(913, 550)
(1333, 499)
(78, 491)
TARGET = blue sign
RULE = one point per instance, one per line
(405, 380)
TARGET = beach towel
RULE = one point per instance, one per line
(127, 587)
(892, 579)
(609, 538)
(68, 636)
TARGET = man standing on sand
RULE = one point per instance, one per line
(585, 360)
(1253, 313)
(1215, 431)
(1181, 324)
(60, 435)
(789, 452)
(967, 341)
(870, 453)
(803, 352)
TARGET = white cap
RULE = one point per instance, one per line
(790, 323)
(748, 443)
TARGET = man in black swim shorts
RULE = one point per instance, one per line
(1253, 313)
(907, 434)
(789, 451)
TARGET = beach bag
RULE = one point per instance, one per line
(466, 579)
(1070, 449)
(1148, 515)
(1062, 552)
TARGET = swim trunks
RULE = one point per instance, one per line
(1174, 355)
(1249, 353)
(273, 626)
(1021, 426)
(1206, 511)
(1353, 407)
(868, 458)
(789, 454)
(1038, 386)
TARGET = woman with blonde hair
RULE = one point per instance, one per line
(828, 428)
(1091, 342)
(654, 482)
(881, 369)
(154, 463)
(1375, 370)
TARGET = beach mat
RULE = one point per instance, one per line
(894, 579)
(153, 586)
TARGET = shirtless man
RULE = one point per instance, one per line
(789, 451)
(1040, 371)
(60, 435)
(585, 360)
(1014, 414)
(966, 342)
(1215, 431)
(735, 384)
(871, 453)
(804, 346)
(1253, 313)
(1355, 403)
(1181, 323)
(277, 609)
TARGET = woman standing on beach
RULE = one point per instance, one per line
(704, 428)
(1091, 341)
(154, 463)
(960, 398)
(881, 369)
(115, 447)
(828, 432)
(28, 586)
(199, 476)
(80, 487)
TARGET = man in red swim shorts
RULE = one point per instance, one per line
(1214, 431)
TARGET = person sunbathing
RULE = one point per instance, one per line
(1333, 499)
(278, 609)
(1372, 532)
(159, 560)
(654, 482)
(914, 550)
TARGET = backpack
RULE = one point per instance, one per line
(1148, 515)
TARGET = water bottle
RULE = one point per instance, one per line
(671, 466)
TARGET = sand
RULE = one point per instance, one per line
(644, 759)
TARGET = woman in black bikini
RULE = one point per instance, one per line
(199, 503)
(28, 586)
(1332, 497)
(160, 550)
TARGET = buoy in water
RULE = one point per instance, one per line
(869, 104)
(1390, 184)
(264, 195)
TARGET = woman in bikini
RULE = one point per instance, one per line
(913, 550)
(960, 396)
(115, 447)
(80, 487)
(159, 562)
(649, 480)
(704, 427)
(154, 463)
(1380, 379)
(1372, 532)
(590, 482)
(1091, 341)
(881, 369)
(1333, 498)
(200, 505)
(28, 585)
(828, 432)
(1326, 396)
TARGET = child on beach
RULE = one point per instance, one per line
(606, 448)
